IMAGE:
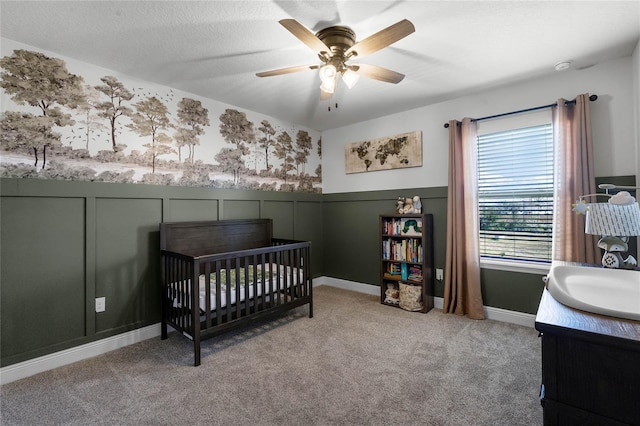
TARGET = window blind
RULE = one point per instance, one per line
(515, 191)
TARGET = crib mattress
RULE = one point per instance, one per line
(270, 280)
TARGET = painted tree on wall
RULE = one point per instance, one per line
(114, 107)
(150, 119)
(192, 116)
(236, 129)
(303, 148)
(90, 119)
(23, 131)
(266, 142)
(75, 114)
(284, 151)
(32, 78)
(319, 151)
(231, 161)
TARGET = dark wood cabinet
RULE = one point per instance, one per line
(590, 367)
(406, 258)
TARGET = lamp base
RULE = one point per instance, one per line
(615, 261)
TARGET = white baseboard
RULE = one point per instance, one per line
(497, 314)
(347, 285)
(28, 368)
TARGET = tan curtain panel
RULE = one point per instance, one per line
(462, 292)
(574, 176)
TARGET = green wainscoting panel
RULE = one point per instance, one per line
(48, 228)
(42, 273)
(309, 227)
(351, 239)
(514, 291)
(351, 236)
(241, 209)
(281, 212)
(127, 262)
(192, 210)
(64, 243)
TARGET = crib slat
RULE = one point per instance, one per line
(195, 311)
(227, 287)
(278, 276)
(246, 287)
(207, 293)
(236, 262)
(257, 286)
(218, 291)
(265, 283)
(182, 303)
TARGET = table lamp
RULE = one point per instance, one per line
(614, 221)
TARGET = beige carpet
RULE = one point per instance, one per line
(356, 362)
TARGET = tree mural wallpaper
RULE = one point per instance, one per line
(59, 125)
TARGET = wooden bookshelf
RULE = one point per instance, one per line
(406, 257)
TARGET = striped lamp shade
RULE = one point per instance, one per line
(613, 220)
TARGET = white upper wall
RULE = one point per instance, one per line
(614, 126)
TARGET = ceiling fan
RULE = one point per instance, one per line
(336, 45)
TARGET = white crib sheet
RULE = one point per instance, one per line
(270, 280)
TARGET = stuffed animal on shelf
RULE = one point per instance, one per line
(392, 295)
(612, 258)
(408, 206)
(417, 204)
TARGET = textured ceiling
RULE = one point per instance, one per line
(214, 48)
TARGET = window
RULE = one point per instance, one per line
(515, 191)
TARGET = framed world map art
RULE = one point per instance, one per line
(392, 152)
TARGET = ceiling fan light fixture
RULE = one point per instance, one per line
(335, 45)
(328, 73)
(350, 78)
(328, 86)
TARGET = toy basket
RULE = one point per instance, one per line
(410, 297)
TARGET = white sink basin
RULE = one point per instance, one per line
(612, 292)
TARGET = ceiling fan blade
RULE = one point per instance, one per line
(287, 70)
(304, 35)
(377, 73)
(381, 39)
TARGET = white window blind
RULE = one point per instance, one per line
(515, 190)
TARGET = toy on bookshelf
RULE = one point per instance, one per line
(412, 225)
(408, 205)
(392, 294)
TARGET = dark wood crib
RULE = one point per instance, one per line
(219, 275)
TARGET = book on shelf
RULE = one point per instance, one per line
(408, 250)
(394, 268)
(409, 226)
(415, 272)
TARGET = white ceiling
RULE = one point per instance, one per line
(214, 48)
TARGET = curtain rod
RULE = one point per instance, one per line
(591, 98)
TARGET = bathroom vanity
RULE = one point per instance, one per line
(590, 366)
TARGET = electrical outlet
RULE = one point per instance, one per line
(101, 304)
(439, 274)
